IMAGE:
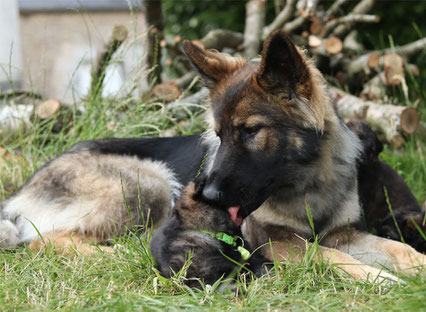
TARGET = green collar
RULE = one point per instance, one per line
(230, 240)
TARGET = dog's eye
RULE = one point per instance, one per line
(252, 130)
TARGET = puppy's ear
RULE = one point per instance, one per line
(282, 65)
(211, 66)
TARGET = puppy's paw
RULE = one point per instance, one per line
(9, 234)
(263, 269)
(408, 223)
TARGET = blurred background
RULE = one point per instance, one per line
(49, 46)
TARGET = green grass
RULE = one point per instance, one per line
(127, 280)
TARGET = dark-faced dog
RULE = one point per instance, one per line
(374, 177)
(208, 239)
(278, 155)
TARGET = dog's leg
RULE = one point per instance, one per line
(376, 250)
(286, 246)
(9, 234)
(346, 263)
(294, 250)
(69, 244)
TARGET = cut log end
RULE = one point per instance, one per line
(392, 60)
(394, 75)
(119, 33)
(333, 45)
(373, 60)
(166, 91)
(316, 28)
(48, 109)
(314, 41)
(409, 120)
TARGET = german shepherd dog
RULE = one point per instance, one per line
(208, 238)
(275, 150)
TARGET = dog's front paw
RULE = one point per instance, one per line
(263, 269)
(9, 234)
(409, 223)
(259, 265)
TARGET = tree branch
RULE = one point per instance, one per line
(255, 20)
(406, 51)
(285, 15)
(348, 22)
(391, 121)
(335, 7)
(222, 38)
(361, 8)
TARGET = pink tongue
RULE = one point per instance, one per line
(233, 211)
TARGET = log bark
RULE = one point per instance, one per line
(362, 7)
(334, 9)
(184, 81)
(351, 42)
(348, 22)
(294, 24)
(255, 20)
(392, 122)
(406, 51)
(360, 64)
(222, 38)
(283, 17)
(279, 6)
(375, 88)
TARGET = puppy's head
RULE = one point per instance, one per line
(407, 221)
(196, 215)
(371, 146)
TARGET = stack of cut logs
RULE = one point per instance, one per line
(330, 36)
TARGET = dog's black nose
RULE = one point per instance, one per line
(211, 193)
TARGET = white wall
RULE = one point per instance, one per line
(10, 45)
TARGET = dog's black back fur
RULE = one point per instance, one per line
(182, 154)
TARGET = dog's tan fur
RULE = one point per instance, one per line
(285, 221)
(87, 204)
(92, 195)
(70, 244)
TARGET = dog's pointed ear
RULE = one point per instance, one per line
(211, 66)
(282, 65)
